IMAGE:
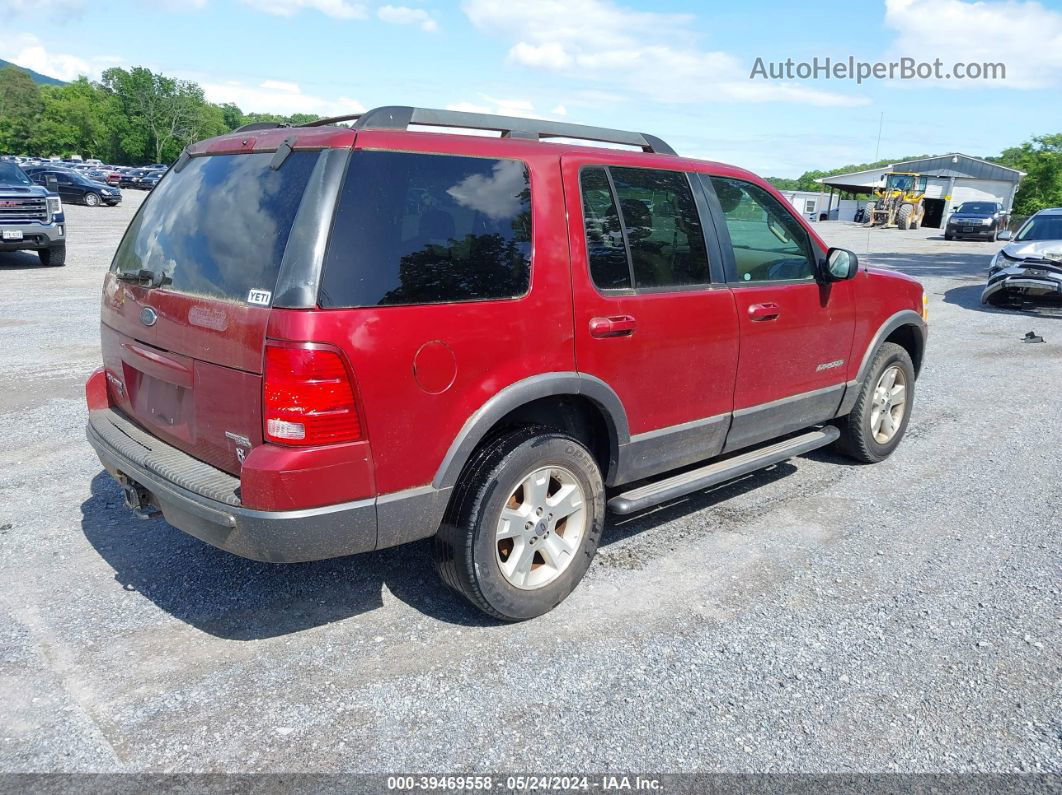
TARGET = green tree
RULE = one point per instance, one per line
(164, 114)
(1041, 160)
(75, 119)
(20, 105)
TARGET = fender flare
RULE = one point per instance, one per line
(522, 392)
(905, 317)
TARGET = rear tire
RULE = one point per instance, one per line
(54, 256)
(877, 422)
(503, 544)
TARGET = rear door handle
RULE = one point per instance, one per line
(614, 326)
(762, 312)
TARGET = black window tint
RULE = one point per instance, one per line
(423, 229)
(604, 237)
(663, 228)
(219, 227)
(769, 243)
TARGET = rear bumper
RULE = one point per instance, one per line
(205, 502)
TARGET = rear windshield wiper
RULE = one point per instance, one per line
(142, 277)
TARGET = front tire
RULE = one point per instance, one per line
(54, 256)
(905, 217)
(878, 420)
(92, 199)
(523, 525)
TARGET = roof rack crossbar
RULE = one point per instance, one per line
(400, 117)
(260, 125)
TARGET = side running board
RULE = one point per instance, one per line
(720, 471)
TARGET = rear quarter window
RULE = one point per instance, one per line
(416, 228)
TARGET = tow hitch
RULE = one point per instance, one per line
(137, 498)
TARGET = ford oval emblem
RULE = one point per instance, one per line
(148, 316)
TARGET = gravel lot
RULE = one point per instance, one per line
(819, 616)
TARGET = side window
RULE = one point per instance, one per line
(417, 228)
(769, 243)
(63, 179)
(664, 239)
(663, 229)
(605, 251)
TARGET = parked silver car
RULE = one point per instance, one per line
(1030, 265)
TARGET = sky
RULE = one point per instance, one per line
(680, 70)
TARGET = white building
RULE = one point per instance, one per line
(953, 179)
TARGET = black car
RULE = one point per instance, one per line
(150, 180)
(74, 187)
(131, 178)
(976, 219)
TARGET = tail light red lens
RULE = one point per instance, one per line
(308, 398)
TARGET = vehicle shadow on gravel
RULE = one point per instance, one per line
(238, 599)
(20, 261)
(969, 297)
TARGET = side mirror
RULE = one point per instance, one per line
(1005, 234)
(841, 264)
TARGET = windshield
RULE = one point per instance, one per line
(219, 226)
(906, 182)
(978, 208)
(1041, 227)
(11, 174)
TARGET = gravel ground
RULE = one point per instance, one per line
(819, 616)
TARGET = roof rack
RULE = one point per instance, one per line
(261, 125)
(399, 117)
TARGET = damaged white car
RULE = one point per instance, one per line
(1030, 266)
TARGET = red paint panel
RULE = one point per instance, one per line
(782, 353)
(286, 479)
(494, 343)
(680, 361)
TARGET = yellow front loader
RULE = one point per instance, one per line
(899, 202)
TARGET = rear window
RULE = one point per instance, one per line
(218, 227)
(423, 229)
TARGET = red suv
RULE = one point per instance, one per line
(325, 340)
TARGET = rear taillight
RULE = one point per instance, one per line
(308, 397)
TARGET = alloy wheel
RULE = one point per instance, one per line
(541, 528)
(889, 404)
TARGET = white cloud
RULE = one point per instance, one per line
(403, 15)
(1023, 35)
(651, 53)
(277, 96)
(340, 9)
(549, 55)
(280, 85)
(506, 107)
(27, 50)
(180, 5)
(57, 9)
